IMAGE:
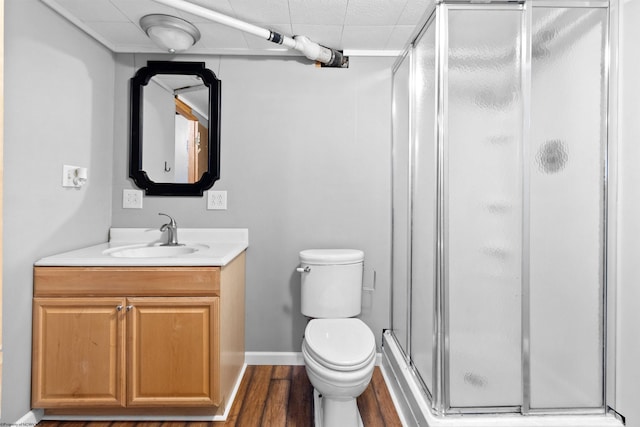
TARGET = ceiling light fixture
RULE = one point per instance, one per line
(170, 33)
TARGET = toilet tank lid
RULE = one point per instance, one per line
(331, 256)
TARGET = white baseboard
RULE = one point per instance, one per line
(273, 358)
(31, 418)
(282, 358)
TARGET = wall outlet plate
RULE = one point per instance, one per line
(216, 200)
(131, 199)
(68, 174)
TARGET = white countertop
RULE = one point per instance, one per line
(217, 247)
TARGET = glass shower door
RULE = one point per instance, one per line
(401, 224)
(483, 110)
(423, 213)
(567, 193)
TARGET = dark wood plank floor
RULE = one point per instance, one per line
(275, 396)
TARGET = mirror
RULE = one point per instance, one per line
(175, 128)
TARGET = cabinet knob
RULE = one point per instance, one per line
(119, 308)
(129, 307)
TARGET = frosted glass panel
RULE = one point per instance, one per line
(567, 166)
(401, 223)
(424, 208)
(484, 108)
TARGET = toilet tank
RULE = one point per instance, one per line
(331, 282)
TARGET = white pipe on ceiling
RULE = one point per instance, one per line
(310, 49)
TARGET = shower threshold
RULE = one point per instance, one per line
(416, 408)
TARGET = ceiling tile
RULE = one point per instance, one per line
(136, 9)
(326, 35)
(399, 37)
(93, 10)
(218, 36)
(365, 37)
(331, 12)
(374, 12)
(261, 11)
(121, 33)
(414, 11)
(194, 19)
(222, 6)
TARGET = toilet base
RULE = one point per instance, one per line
(339, 411)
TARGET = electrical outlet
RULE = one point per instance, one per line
(132, 199)
(216, 200)
(68, 175)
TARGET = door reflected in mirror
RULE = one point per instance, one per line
(175, 128)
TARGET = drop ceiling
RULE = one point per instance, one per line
(359, 27)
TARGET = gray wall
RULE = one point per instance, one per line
(305, 162)
(58, 110)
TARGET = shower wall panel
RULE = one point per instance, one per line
(567, 175)
(483, 218)
(424, 196)
(401, 156)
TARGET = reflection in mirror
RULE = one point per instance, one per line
(175, 132)
(176, 125)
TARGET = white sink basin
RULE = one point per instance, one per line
(156, 251)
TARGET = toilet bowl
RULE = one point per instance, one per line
(339, 351)
(340, 356)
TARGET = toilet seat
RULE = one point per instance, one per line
(340, 344)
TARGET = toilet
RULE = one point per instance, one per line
(339, 351)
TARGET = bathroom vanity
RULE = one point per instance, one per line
(123, 328)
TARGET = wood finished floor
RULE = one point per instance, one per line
(273, 396)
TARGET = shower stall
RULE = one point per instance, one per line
(501, 191)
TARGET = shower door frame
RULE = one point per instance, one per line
(608, 220)
(439, 395)
(442, 405)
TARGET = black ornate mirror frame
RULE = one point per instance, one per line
(139, 176)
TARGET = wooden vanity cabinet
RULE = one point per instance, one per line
(121, 339)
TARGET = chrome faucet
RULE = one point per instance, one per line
(172, 231)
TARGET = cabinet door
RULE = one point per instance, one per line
(78, 352)
(173, 350)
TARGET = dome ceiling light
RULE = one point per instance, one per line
(170, 33)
